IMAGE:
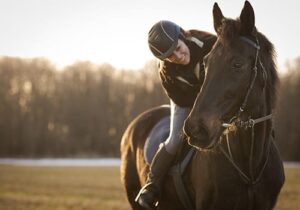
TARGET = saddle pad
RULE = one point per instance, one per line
(158, 134)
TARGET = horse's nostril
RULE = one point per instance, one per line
(198, 132)
(198, 136)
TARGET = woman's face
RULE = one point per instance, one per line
(181, 54)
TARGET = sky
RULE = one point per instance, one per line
(115, 31)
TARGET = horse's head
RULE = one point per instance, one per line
(236, 78)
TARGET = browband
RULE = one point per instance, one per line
(249, 41)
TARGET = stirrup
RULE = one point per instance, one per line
(142, 202)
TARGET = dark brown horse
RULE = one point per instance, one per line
(237, 165)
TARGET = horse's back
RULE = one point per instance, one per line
(133, 167)
(140, 127)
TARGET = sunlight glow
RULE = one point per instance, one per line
(68, 31)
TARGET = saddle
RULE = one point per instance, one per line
(158, 135)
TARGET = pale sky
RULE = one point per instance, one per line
(115, 31)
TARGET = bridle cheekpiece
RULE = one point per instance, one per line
(235, 122)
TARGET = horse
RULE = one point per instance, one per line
(236, 164)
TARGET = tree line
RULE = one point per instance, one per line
(83, 110)
(287, 113)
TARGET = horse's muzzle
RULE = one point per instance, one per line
(198, 136)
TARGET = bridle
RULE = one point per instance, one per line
(235, 123)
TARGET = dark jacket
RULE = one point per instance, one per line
(180, 81)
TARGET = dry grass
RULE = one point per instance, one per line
(61, 188)
(289, 199)
(89, 188)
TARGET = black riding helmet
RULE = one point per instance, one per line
(163, 38)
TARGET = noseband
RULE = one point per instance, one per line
(235, 123)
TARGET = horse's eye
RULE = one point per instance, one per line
(237, 66)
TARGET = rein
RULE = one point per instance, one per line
(245, 124)
(236, 123)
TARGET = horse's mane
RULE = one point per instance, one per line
(230, 32)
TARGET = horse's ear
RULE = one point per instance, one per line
(247, 19)
(218, 17)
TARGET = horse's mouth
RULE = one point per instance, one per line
(206, 144)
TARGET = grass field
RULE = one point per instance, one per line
(89, 188)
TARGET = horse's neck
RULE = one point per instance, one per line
(241, 140)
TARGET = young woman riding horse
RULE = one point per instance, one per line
(181, 54)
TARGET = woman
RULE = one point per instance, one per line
(181, 73)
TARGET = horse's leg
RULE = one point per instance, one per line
(129, 177)
(134, 170)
